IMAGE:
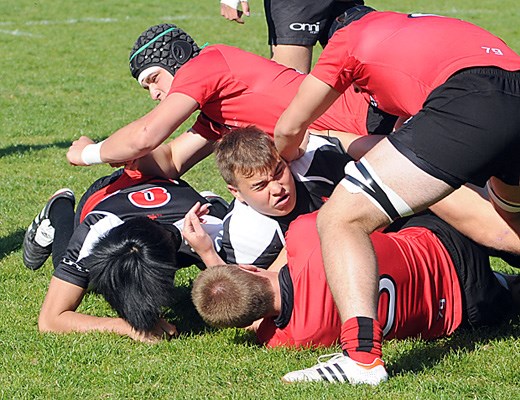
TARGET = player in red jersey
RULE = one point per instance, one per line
(230, 87)
(432, 280)
(461, 86)
(125, 242)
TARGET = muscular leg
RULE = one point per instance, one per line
(294, 56)
(346, 221)
(474, 216)
(509, 194)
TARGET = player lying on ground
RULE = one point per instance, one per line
(461, 86)
(124, 241)
(269, 194)
(432, 280)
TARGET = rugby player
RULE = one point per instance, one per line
(294, 27)
(460, 85)
(432, 280)
(124, 241)
(269, 193)
(166, 61)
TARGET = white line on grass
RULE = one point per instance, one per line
(73, 21)
(19, 33)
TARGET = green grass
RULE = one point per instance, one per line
(64, 73)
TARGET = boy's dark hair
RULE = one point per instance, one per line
(133, 267)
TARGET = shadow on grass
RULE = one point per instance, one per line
(10, 243)
(183, 313)
(24, 148)
(426, 354)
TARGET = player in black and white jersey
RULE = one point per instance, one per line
(255, 227)
(269, 194)
(125, 243)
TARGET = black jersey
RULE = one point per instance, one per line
(132, 195)
(253, 238)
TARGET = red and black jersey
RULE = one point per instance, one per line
(398, 59)
(131, 195)
(420, 294)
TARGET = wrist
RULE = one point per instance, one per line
(91, 154)
(231, 3)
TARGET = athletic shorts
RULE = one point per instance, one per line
(379, 122)
(301, 22)
(468, 129)
(485, 300)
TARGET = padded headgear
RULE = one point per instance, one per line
(164, 46)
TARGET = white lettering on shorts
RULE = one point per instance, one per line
(303, 26)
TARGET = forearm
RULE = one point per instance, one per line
(131, 142)
(210, 258)
(159, 163)
(71, 321)
(314, 97)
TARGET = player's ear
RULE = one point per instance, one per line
(236, 193)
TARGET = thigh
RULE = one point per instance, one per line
(398, 175)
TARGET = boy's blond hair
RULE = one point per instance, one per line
(244, 152)
(227, 296)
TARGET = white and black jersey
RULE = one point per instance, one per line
(253, 238)
(165, 201)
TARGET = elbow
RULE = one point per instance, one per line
(286, 130)
(44, 325)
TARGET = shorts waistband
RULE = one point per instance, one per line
(497, 71)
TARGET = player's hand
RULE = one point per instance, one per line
(192, 231)
(232, 13)
(74, 153)
(163, 330)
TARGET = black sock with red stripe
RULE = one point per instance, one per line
(361, 339)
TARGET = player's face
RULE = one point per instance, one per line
(272, 194)
(158, 83)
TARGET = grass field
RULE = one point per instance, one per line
(64, 73)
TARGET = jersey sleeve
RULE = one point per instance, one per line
(250, 237)
(323, 162)
(71, 268)
(336, 67)
(209, 129)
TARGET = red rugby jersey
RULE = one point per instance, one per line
(419, 289)
(235, 88)
(400, 58)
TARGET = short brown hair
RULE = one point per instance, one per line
(227, 296)
(245, 151)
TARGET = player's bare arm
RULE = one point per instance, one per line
(139, 137)
(198, 238)
(58, 314)
(229, 10)
(173, 159)
(312, 99)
